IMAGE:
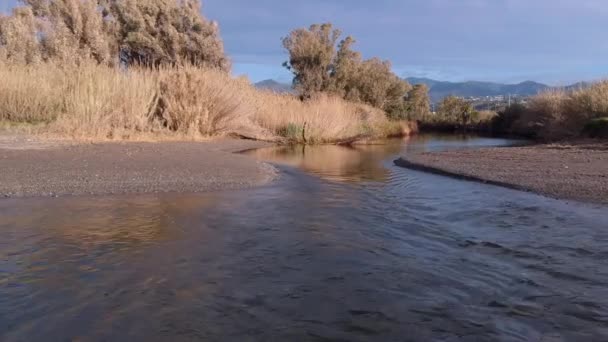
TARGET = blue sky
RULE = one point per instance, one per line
(553, 41)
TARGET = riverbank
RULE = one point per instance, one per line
(36, 167)
(576, 171)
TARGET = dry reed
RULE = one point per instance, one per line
(93, 101)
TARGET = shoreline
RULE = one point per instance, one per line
(35, 168)
(577, 171)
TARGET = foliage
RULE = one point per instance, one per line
(148, 32)
(418, 103)
(321, 62)
(597, 128)
(154, 32)
(455, 110)
(557, 114)
(506, 119)
(311, 54)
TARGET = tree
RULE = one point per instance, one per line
(345, 67)
(455, 110)
(155, 32)
(149, 32)
(70, 30)
(311, 54)
(318, 65)
(18, 41)
(418, 103)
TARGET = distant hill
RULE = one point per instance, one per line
(438, 89)
(441, 89)
(274, 86)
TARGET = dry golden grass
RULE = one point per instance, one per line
(559, 113)
(30, 94)
(92, 101)
(319, 120)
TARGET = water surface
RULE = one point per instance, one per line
(345, 246)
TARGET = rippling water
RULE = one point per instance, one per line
(344, 247)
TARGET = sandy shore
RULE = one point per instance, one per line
(575, 171)
(33, 167)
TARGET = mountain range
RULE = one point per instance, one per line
(274, 86)
(440, 89)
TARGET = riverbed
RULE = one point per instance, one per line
(344, 246)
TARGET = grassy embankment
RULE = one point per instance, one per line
(556, 114)
(95, 102)
(562, 114)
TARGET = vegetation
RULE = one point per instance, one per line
(418, 104)
(145, 32)
(125, 69)
(110, 69)
(322, 63)
(558, 114)
(597, 128)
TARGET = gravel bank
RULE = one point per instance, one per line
(576, 171)
(118, 168)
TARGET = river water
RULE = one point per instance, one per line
(345, 246)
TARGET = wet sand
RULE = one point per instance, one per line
(32, 167)
(565, 171)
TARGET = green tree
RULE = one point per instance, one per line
(418, 103)
(311, 55)
(455, 110)
(318, 65)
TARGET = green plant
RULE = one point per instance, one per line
(597, 128)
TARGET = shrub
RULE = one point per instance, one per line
(558, 114)
(505, 120)
(597, 128)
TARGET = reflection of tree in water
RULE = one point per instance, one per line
(338, 163)
(127, 222)
(82, 233)
(81, 255)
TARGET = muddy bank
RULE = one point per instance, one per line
(565, 171)
(57, 169)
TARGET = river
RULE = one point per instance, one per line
(345, 246)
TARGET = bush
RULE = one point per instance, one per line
(597, 128)
(505, 120)
(559, 114)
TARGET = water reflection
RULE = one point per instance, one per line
(342, 163)
(382, 254)
(365, 162)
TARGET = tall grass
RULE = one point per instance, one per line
(100, 102)
(557, 114)
(86, 101)
(320, 120)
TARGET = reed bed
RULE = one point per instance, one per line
(92, 101)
